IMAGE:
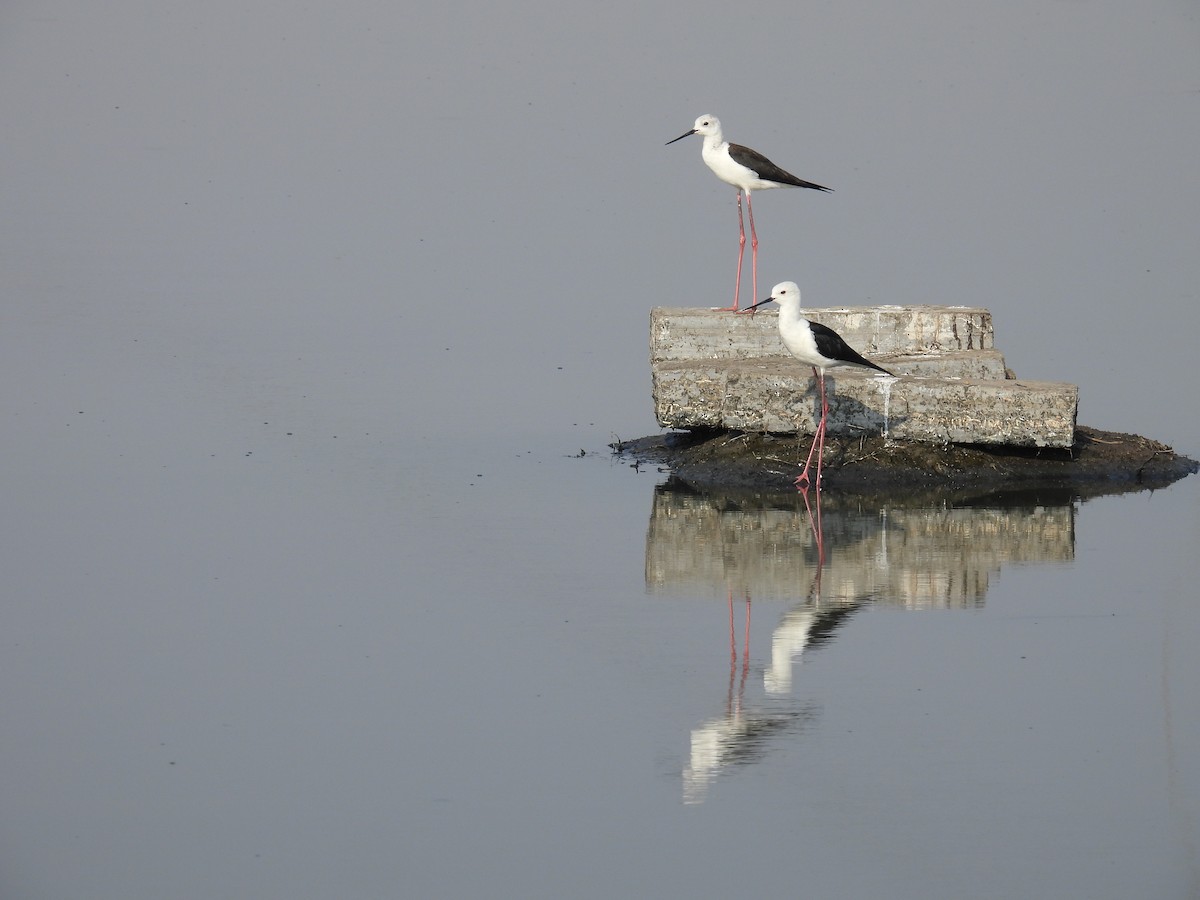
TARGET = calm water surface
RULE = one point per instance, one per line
(278, 665)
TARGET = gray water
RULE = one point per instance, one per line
(318, 577)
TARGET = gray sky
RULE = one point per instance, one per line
(375, 183)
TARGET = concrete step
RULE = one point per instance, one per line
(981, 365)
(693, 334)
(779, 395)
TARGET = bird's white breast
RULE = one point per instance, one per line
(798, 338)
(716, 157)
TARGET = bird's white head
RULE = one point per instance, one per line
(786, 294)
(706, 126)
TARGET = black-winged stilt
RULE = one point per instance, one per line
(815, 345)
(747, 170)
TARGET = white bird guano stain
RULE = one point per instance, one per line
(886, 388)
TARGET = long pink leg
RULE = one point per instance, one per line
(737, 285)
(818, 444)
(802, 481)
(753, 247)
(824, 420)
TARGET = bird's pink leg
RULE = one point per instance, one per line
(802, 481)
(818, 438)
(824, 419)
(737, 285)
(753, 248)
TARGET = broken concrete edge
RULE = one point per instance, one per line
(976, 365)
(774, 396)
(705, 334)
(1098, 463)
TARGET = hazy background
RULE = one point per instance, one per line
(485, 190)
(308, 307)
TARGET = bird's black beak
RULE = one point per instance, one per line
(681, 137)
(758, 304)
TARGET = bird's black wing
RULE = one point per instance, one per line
(831, 346)
(767, 170)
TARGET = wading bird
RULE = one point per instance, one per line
(747, 170)
(815, 345)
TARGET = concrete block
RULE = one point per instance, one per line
(778, 395)
(679, 334)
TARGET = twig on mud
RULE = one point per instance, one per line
(775, 459)
(1149, 459)
(858, 459)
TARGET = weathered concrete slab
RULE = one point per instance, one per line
(720, 370)
(981, 365)
(779, 395)
(694, 334)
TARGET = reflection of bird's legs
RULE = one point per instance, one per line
(732, 637)
(733, 701)
(746, 648)
(815, 524)
(733, 648)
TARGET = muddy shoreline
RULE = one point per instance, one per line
(1099, 462)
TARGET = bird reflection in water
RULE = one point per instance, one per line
(741, 735)
(908, 554)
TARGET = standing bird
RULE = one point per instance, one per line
(818, 346)
(747, 170)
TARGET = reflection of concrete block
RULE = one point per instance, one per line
(722, 370)
(920, 558)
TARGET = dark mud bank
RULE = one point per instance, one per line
(1099, 462)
